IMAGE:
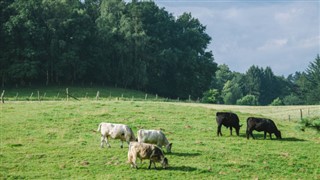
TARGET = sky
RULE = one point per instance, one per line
(281, 34)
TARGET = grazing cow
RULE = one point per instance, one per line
(146, 151)
(227, 119)
(115, 131)
(154, 137)
(262, 124)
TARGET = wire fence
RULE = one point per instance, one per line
(290, 113)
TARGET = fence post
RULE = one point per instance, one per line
(146, 97)
(2, 96)
(300, 114)
(38, 95)
(17, 96)
(31, 96)
(156, 96)
(97, 96)
(67, 91)
(189, 98)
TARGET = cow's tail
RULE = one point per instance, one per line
(132, 136)
(99, 127)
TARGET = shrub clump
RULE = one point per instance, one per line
(310, 123)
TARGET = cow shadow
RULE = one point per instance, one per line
(182, 168)
(185, 154)
(292, 139)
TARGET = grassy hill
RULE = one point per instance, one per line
(59, 93)
(57, 139)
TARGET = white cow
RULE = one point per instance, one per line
(154, 137)
(115, 131)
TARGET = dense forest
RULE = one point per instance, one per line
(134, 45)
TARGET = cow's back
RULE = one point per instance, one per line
(150, 136)
(227, 119)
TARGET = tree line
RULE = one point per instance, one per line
(133, 45)
(259, 86)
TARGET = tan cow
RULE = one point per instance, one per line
(146, 151)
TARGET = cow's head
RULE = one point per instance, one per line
(238, 129)
(168, 147)
(278, 134)
(165, 163)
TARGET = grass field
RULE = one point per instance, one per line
(57, 140)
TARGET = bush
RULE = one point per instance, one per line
(248, 100)
(211, 96)
(277, 102)
(292, 100)
(310, 123)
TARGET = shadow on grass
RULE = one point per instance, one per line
(292, 139)
(185, 154)
(182, 168)
(260, 137)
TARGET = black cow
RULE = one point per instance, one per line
(262, 124)
(227, 119)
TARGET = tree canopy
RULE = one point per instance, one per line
(133, 45)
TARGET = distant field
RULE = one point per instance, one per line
(57, 140)
(275, 112)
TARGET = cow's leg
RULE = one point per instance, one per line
(250, 132)
(150, 164)
(134, 159)
(121, 144)
(247, 133)
(270, 135)
(265, 135)
(219, 130)
(154, 164)
(230, 131)
(107, 141)
(102, 140)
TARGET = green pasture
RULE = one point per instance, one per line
(58, 140)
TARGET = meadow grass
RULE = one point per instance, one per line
(58, 140)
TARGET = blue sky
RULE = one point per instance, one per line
(284, 35)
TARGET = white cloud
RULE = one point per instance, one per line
(283, 35)
(273, 44)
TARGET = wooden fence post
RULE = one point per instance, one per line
(146, 97)
(31, 96)
(38, 95)
(300, 114)
(2, 96)
(97, 96)
(67, 91)
(17, 96)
